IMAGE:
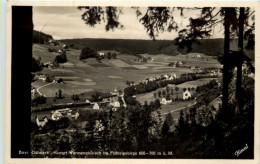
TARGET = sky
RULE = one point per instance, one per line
(66, 23)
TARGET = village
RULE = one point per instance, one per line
(114, 99)
(57, 105)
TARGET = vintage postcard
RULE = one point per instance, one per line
(150, 82)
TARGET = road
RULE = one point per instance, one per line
(38, 89)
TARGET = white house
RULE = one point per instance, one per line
(96, 106)
(56, 115)
(166, 77)
(66, 111)
(164, 101)
(59, 50)
(63, 45)
(42, 77)
(186, 95)
(75, 114)
(198, 56)
(33, 91)
(101, 53)
(41, 120)
(87, 101)
(171, 78)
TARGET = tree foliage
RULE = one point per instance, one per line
(36, 65)
(61, 58)
(87, 53)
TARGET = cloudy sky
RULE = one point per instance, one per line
(66, 23)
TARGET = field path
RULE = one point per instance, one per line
(176, 110)
(38, 89)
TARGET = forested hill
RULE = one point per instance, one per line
(40, 37)
(212, 47)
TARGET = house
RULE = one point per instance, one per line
(64, 46)
(143, 81)
(42, 77)
(198, 56)
(56, 115)
(164, 101)
(101, 54)
(213, 73)
(52, 42)
(41, 120)
(170, 78)
(87, 101)
(166, 77)
(96, 106)
(174, 75)
(66, 111)
(186, 95)
(74, 114)
(33, 90)
(59, 51)
(115, 92)
(132, 83)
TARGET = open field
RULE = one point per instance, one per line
(88, 75)
(191, 84)
(195, 83)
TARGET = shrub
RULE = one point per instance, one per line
(36, 65)
(38, 100)
(87, 53)
(62, 58)
(51, 50)
(114, 55)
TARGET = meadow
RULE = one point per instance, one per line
(89, 75)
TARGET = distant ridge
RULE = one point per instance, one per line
(212, 47)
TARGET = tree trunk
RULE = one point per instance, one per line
(239, 63)
(21, 67)
(225, 63)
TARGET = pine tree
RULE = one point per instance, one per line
(165, 128)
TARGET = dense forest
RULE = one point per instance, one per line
(40, 37)
(211, 47)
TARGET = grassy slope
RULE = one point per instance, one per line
(84, 76)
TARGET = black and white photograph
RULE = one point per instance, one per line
(133, 82)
